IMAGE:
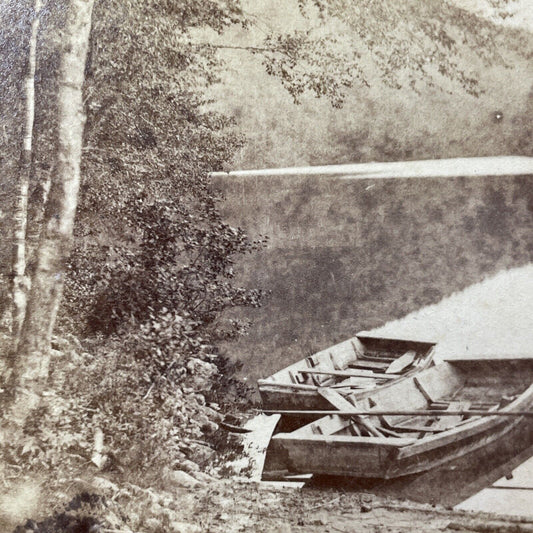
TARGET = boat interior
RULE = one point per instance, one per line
(359, 363)
(444, 387)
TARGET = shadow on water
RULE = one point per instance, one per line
(453, 482)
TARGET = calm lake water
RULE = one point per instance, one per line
(511, 495)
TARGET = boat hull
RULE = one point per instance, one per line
(278, 393)
(301, 452)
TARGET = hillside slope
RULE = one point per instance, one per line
(378, 123)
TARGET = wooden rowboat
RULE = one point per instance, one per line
(355, 367)
(415, 425)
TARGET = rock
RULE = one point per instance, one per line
(212, 414)
(188, 466)
(184, 527)
(203, 422)
(201, 418)
(182, 479)
(203, 477)
(209, 427)
(156, 509)
(200, 398)
(81, 485)
(152, 524)
(321, 519)
(134, 518)
(164, 499)
(200, 368)
(225, 503)
(133, 456)
(201, 454)
(366, 507)
(103, 483)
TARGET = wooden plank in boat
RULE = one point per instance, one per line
(335, 399)
(390, 433)
(357, 346)
(400, 364)
(328, 425)
(350, 373)
(446, 422)
(288, 386)
(354, 430)
(438, 382)
(409, 426)
(333, 362)
(340, 355)
(382, 358)
(370, 365)
(354, 383)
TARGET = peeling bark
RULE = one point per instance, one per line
(20, 284)
(33, 354)
(36, 209)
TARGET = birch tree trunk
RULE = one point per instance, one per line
(33, 355)
(20, 281)
(36, 208)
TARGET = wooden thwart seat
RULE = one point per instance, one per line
(402, 363)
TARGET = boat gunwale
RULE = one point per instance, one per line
(347, 439)
(467, 428)
(461, 431)
(286, 390)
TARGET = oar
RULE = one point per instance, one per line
(349, 374)
(427, 412)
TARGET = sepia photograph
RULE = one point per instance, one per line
(266, 266)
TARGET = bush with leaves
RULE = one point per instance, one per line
(152, 271)
(182, 262)
(155, 409)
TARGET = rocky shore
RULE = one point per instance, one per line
(192, 503)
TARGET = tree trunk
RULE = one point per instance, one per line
(36, 209)
(20, 281)
(33, 354)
